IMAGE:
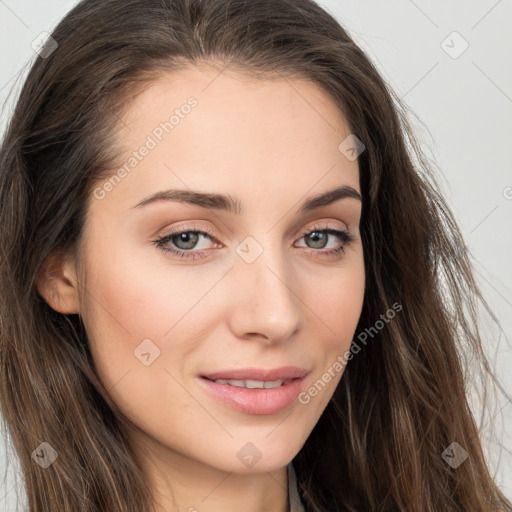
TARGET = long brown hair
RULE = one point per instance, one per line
(402, 398)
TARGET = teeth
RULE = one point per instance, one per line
(237, 383)
(253, 384)
(275, 383)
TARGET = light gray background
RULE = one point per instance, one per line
(464, 103)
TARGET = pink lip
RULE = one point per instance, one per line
(256, 401)
(284, 372)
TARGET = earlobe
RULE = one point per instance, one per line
(56, 282)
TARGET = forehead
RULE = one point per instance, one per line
(221, 131)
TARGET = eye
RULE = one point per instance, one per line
(185, 240)
(320, 236)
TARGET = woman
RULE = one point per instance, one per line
(218, 258)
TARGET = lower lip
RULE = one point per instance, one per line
(255, 401)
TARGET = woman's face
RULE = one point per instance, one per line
(250, 292)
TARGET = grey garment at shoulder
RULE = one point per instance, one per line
(296, 504)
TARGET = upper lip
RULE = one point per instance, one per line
(284, 372)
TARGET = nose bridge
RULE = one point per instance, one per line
(266, 301)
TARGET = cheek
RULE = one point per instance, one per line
(135, 308)
(337, 305)
(141, 337)
(337, 301)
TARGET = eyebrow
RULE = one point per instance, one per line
(234, 205)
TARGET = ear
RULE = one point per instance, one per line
(56, 282)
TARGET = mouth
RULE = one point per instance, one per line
(251, 384)
(257, 396)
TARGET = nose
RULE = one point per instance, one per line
(265, 300)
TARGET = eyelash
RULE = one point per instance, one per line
(161, 242)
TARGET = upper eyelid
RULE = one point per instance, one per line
(318, 226)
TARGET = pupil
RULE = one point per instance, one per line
(190, 243)
(315, 236)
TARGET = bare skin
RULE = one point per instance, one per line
(272, 144)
